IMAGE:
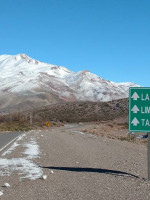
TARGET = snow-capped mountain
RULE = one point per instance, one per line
(25, 81)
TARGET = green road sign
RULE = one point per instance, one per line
(139, 109)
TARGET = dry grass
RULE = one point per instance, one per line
(7, 126)
(113, 129)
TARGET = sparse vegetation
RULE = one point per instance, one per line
(70, 112)
(14, 127)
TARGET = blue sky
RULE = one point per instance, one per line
(110, 38)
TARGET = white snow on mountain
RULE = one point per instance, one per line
(22, 75)
(19, 73)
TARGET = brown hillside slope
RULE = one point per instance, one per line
(84, 111)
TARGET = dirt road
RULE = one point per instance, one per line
(79, 166)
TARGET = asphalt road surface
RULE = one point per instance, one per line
(5, 138)
(86, 167)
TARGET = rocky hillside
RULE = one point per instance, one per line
(70, 112)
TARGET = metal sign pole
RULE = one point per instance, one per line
(148, 155)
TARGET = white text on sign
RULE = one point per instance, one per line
(144, 97)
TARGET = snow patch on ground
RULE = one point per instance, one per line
(12, 148)
(79, 132)
(32, 150)
(21, 137)
(25, 167)
(1, 193)
(82, 133)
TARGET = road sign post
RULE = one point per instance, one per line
(139, 114)
(148, 156)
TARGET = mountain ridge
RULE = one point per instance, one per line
(25, 81)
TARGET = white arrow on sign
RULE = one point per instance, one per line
(135, 96)
(135, 109)
(135, 122)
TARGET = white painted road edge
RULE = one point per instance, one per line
(10, 142)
